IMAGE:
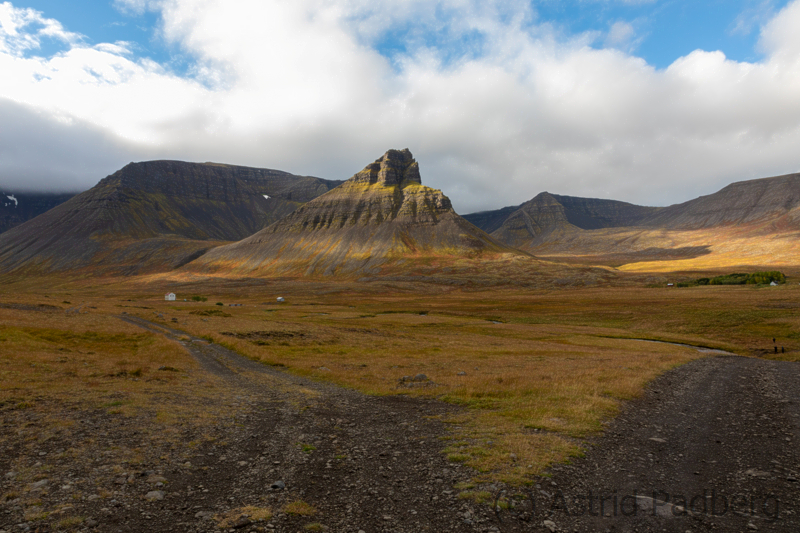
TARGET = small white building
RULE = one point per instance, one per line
(280, 299)
(773, 283)
(170, 297)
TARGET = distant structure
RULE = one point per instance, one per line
(670, 284)
(170, 297)
(280, 299)
(773, 283)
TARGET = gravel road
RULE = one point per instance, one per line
(713, 443)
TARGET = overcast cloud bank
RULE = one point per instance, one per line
(496, 105)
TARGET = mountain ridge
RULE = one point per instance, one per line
(153, 215)
(725, 224)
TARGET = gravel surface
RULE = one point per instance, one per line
(713, 441)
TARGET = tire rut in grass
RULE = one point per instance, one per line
(360, 462)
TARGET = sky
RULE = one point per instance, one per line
(652, 102)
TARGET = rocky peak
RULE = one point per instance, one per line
(395, 167)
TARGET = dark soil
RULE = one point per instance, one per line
(721, 427)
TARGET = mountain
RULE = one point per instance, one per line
(523, 225)
(155, 215)
(19, 207)
(769, 204)
(382, 214)
(755, 222)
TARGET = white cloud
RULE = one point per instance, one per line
(21, 30)
(622, 36)
(754, 15)
(494, 106)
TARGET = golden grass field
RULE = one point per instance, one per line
(537, 370)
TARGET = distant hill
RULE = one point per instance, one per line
(521, 226)
(753, 222)
(771, 204)
(155, 215)
(381, 214)
(19, 207)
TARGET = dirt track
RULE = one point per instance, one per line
(716, 438)
(723, 427)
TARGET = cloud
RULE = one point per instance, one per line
(495, 104)
(622, 36)
(756, 14)
(21, 30)
(70, 154)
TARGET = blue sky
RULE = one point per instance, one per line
(99, 21)
(670, 29)
(665, 29)
(647, 101)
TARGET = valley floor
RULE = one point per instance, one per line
(121, 412)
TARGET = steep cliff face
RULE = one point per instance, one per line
(380, 214)
(592, 213)
(155, 215)
(18, 207)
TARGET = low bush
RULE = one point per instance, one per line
(756, 278)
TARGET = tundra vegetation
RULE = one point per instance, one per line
(537, 371)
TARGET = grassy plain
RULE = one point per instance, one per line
(537, 370)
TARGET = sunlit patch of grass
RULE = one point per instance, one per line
(35, 514)
(476, 496)
(307, 448)
(299, 508)
(70, 522)
(251, 512)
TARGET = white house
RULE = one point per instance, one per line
(170, 297)
(280, 299)
(774, 284)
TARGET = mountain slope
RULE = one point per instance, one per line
(18, 207)
(381, 214)
(755, 222)
(774, 202)
(525, 225)
(155, 215)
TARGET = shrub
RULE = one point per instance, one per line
(210, 312)
(199, 299)
(765, 278)
(738, 278)
(730, 279)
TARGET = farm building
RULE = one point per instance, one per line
(170, 297)
(280, 299)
